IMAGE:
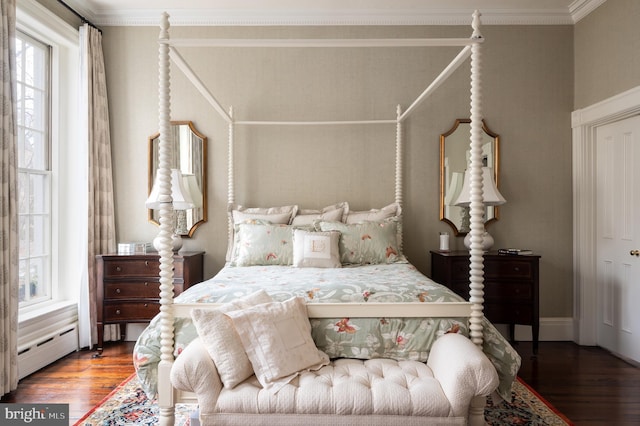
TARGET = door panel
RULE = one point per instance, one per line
(618, 219)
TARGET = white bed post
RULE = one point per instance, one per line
(165, 389)
(231, 191)
(476, 274)
(477, 205)
(399, 162)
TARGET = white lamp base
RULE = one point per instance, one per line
(487, 241)
(176, 243)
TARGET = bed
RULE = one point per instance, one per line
(367, 301)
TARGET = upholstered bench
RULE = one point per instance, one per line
(448, 389)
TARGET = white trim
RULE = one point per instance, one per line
(359, 310)
(213, 17)
(585, 122)
(551, 330)
(581, 8)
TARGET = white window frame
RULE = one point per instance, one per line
(44, 171)
(68, 193)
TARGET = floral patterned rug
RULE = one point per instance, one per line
(129, 405)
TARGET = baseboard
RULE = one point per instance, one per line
(552, 329)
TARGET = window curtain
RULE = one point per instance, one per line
(101, 217)
(8, 201)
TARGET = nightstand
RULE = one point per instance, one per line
(511, 287)
(129, 286)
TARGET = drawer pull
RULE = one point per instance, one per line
(146, 283)
(119, 269)
(146, 305)
(516, 268)
(117, 311)
(146, 263)
(118, 290)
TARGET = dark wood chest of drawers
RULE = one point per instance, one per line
(129, 286)
(511, 286)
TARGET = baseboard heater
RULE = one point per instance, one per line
(48, 348)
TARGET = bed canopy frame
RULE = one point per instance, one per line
(470, 48)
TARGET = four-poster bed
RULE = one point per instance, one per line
(405, 290)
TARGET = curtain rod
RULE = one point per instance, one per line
(82, 18)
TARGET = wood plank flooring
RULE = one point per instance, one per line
(587, 384)
(79, 379)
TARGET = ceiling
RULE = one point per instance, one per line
(334, 12)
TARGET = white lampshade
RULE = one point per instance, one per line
(191, 184)
(491, 195)
(181, 198)
(455, 187)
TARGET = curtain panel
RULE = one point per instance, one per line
(8, 201)
(101, 215)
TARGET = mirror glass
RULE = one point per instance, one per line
(454, 161)
(190, 157)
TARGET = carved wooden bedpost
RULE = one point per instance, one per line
(477, 208)
(165, 249)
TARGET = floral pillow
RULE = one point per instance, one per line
(261, 243)
(239, 214)
(367, 242)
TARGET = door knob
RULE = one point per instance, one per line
(634, 252)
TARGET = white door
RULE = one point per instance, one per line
(618, 219)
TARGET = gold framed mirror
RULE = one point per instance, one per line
(189, 149)
(454, 161)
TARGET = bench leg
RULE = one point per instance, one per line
(476, 411)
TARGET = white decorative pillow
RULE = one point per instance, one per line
(375, 215)
(337, 212)
(367, 242)
(277, 339)
(316, 249)
(222, 341)
(238, 214)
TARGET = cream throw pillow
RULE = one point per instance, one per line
(277, 339)
(316, 249)
(222, 341)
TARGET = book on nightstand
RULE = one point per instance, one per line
(514, 251)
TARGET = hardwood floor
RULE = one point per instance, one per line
(586, 384)
(78, 379)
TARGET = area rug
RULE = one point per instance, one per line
(129, 405)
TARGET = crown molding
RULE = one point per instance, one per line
(577, 10)
(581, 8)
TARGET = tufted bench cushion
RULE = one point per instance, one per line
(347, 387)
(348, 391)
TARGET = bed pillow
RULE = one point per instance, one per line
(367, 242)
(316, 249)
(239, 214)
(374, 215)
(222, 341)
(261, 243)
(277, 339)
(337, 212)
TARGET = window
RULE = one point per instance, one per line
(34, 169)
(51, 172)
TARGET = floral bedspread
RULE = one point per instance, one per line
(397, 338)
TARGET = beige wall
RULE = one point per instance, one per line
(528, 96)
(607, 52)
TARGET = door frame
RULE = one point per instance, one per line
(584, 123)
